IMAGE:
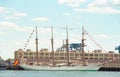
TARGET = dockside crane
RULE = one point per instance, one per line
(118, 48)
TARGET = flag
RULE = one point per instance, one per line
(15, 62)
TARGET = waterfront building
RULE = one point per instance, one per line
(30, 56)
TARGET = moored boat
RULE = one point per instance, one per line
(80, 67)
(3, 64)
(90, 67)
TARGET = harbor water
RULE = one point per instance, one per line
(7, 73)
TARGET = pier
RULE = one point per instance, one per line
(113, 65)
(12, 67)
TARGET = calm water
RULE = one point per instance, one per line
(58, 74)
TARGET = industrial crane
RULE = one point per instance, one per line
(118, 48)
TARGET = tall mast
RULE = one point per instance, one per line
(37, 46)
(83, 46)
(63, 46)
(67, 45)
(52, 46)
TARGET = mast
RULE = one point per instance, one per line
(52, 46)
(37, 46)
(83, 46)
(63, 46)
(67, 45)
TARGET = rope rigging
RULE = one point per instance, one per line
(26, 44)
(98, 45)
(93, 40)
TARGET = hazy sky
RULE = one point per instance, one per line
(101, 18)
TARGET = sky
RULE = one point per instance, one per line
(18, 18)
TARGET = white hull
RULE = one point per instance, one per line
(62, 68)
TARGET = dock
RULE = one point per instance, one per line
(12, 67)
(113, 65)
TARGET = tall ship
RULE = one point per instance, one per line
(83, 66)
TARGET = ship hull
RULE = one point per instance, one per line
(62, 68)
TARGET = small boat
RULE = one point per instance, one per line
(3, 64)
(67, 67)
